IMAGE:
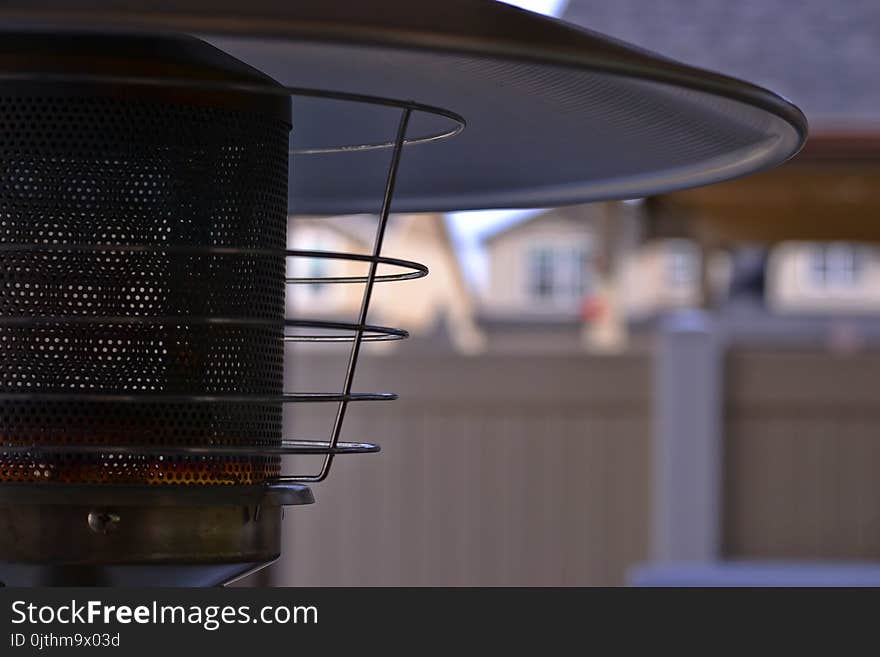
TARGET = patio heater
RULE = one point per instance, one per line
(149, 159)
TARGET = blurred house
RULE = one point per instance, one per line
(548, 266)
(582, 277)
(548, 276)
(597, 277)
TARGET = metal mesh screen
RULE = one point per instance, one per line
(190, 304)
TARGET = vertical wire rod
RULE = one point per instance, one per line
(390, 183)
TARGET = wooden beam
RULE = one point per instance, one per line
(828, 192)
(795, 202)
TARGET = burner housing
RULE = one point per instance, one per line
(143, 213)
(191, 185)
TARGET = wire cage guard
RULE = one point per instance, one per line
(357, 333)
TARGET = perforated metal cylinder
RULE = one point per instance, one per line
(196, 178)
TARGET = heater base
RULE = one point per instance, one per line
(139, 536)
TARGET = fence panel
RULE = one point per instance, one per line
(495, 470)
(802, 455)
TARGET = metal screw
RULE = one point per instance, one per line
(103, 522)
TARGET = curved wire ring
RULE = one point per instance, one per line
(416, 269)
(368, 333)
(252, 88)
(286, 448)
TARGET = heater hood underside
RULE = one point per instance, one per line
(555, 114)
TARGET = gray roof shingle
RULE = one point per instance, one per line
(823, 55)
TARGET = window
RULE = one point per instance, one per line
(542, 274)
(835, 265)
(559, 273)
(681, 267)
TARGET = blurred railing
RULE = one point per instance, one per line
(495, 470)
